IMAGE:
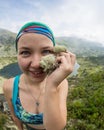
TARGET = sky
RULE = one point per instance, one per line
(80, 18)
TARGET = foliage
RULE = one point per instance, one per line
(3, 120)
(86, 98)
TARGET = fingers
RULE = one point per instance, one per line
(73, 58)
(70, 57)
(67, 60)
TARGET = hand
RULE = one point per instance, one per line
(66, 62)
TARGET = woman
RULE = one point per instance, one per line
(36, 99)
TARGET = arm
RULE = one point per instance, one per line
(55, 112)
(7, 89)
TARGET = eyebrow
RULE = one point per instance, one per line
(48, 47)
(43, 48)
(26, 48)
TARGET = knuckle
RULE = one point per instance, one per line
(74, 55)
(69, 69)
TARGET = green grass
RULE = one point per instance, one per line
(6, 61)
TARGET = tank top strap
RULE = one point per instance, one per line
(15, 90)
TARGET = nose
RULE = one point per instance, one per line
(35, 61)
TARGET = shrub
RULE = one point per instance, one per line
(86, 103)
(3, 120)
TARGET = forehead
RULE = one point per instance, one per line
(33, 39)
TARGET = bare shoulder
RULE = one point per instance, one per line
(7, 87)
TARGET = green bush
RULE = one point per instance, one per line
(3, 120)
(85, 102)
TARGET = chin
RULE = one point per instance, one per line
(36, 78)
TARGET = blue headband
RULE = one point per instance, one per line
(36, 27)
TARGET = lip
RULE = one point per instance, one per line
(37, 74)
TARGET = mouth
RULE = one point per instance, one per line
(37, 73)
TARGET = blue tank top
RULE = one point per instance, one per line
(21, 113)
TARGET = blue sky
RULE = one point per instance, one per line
(81, 18)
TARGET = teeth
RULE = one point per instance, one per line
(36, 72)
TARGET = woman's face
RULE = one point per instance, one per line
(31, 47)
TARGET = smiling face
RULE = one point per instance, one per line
(31, 47)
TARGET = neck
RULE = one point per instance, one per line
(32, 83)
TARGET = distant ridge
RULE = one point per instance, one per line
(81, 47)
(6, 33)
(7, 37)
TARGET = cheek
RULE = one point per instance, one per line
(23, 63)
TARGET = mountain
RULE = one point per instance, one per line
(80, 47)
(7, 43)
(7, 37)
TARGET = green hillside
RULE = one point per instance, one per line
(85, 102)
(81, 47)
(7, 37)
(7, 43)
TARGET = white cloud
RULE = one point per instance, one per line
(83, 18)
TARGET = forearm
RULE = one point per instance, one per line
(52, 114)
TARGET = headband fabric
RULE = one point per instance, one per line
(36, 27)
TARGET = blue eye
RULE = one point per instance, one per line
(25, 53)
(46, 52)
